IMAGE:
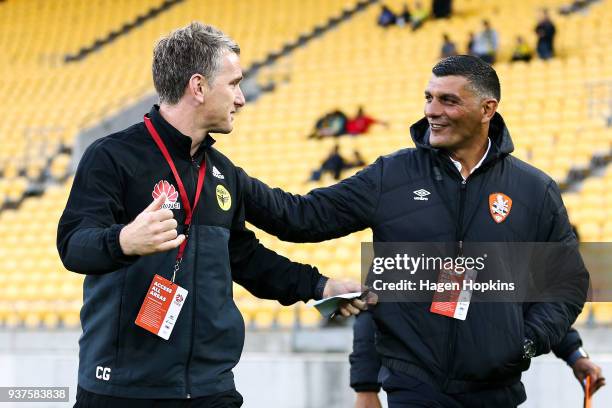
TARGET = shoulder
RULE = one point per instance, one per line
(118, 141)
(408, 159)
(397, 168)
(528, 173)
(127, 147)
(220, 158)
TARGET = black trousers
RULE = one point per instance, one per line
(227, 399)
(404, 391)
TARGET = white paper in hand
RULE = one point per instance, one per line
(329, 305)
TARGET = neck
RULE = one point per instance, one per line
(182, 118)
(470, 155)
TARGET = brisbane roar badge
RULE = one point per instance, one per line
(499, 206)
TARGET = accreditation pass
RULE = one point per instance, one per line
(161, 307)
(456, 301)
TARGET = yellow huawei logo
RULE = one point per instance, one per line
(224, 199)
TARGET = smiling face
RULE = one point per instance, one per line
(223, 97)
(458, 117)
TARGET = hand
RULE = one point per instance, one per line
(335, 287)
(367, 400)
(583, 367)
(153, 230)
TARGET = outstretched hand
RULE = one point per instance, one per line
(347, 308)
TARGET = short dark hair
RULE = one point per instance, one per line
(194, 49)
(481, 76)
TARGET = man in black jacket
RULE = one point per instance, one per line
(160, 327)
(456, 186)
(365, 362)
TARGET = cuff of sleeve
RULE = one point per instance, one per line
(115, 247)
(573, 357)
(318, 292)
(531, 335)
(366, 387)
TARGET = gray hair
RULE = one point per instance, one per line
(195, 49)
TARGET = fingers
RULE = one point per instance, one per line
(161, 215)
(174, 243)
(347, 309)
(597, 381)
(167, 236)
(359, 304)
(598, 384)
(352, 309)
(371, 298)
(156, 204)
(166, 225)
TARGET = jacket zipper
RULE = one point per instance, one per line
(453, 324)
(194, 167)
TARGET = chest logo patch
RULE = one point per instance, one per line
(171, 195)
(224, 199)
(421, 195)
(217, 173)
(499, 206)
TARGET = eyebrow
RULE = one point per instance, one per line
(445, 95)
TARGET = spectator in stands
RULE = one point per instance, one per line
(335, 163)
(448, 47)
(386, 17)
(442, 8)
(469, 48)
(331, 124)
(486, 43)
(404, 17)
(522, 50)
(546, 30)
(419, 16)
(361, 123)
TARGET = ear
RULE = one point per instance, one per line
(489, 107)
(197, 87)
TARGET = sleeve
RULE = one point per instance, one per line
(88, 231)
(267, 274)
(546, 323)
(365, 361)
(322, 214)
(570, 343)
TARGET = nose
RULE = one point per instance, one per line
(239, 100)
(433, 108)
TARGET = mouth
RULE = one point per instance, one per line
(437, 126)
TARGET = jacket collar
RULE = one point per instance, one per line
(501, 142)
(174, 140)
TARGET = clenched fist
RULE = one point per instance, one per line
(153, 230)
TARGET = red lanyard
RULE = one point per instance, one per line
(189, 209)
